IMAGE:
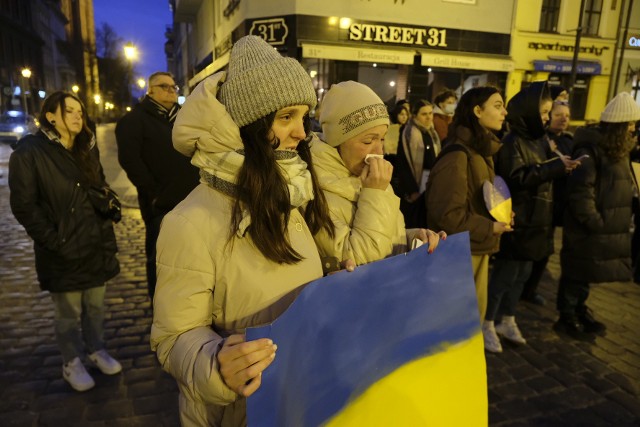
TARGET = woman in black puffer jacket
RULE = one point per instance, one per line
(525, 164)
(596, 243)
(50, 175)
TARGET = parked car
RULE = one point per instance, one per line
(15, 124)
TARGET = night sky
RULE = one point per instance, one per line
(142, 22)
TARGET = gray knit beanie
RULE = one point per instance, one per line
(260, 81)
(622, 108)
(348, 109)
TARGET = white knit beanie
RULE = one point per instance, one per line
(348, 109)
(622, 108)
(260, 81)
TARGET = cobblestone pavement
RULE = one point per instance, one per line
(552, 381)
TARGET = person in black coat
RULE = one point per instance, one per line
(162, 176)
(524, 163)
(50, 177)
(561, 142)
(596, 240)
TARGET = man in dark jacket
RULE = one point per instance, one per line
(162, 176)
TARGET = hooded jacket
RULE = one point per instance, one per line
(75, 248)
(368, 223)
(596, 242)
(210, 287)
(454, 195)
(524, 164)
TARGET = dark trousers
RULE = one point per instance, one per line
(531, 285)
(505, 286)
(152, 230)
(572, 296)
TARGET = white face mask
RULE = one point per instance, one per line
(449, 109)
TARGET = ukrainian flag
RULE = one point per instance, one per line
(394, 343)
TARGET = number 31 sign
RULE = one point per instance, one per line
(273, 31)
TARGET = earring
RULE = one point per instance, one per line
(53, 122)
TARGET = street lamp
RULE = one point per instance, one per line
(26, 74)
(130, 51)
(75, 89)
(141, 83)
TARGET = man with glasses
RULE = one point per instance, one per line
(162, 176)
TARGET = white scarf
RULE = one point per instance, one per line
(221, 171)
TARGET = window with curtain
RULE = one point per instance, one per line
(549, 16)
(591, 17)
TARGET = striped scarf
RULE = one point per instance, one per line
(167, 114)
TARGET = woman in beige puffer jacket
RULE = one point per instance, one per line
(365, 212)
(237, 250)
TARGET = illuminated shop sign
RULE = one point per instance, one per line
(434, 37)
(565, 67)
(593, 49)
(634, 41)
(273, 31)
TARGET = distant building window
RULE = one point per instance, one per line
(549, 16)
(591, 17)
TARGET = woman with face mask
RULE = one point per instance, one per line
(445, 106)
(51, 175)
(238, 249)
(355, 179)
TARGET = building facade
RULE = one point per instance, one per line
(627, 65)
(55, 40)
(543, 45)
(400, 48)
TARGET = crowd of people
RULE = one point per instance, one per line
(243, 204)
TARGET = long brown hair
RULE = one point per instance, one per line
(262, 190)
(616, 142)
(465, 117)
(83, 142)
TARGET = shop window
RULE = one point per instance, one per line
(635, 86)
(549, 16)
(591, 17)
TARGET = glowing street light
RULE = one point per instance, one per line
(97, 98)
(26, 74)
(75, 89)
(130, 51)
(141, 83)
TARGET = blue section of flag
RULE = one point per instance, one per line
(346, 331)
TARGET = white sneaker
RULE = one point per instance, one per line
(491, 340)
(509, 330)
(107, 364)
(77, 376)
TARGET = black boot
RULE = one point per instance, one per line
(569, 324)
(590, 325)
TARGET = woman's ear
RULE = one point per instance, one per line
(477, 110)
(50, 117)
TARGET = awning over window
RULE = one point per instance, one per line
(467, 62)
(344, 53)
(565, 67)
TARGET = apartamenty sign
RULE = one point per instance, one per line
(634, 42)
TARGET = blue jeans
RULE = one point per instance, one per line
(79, 321)
(505, 286)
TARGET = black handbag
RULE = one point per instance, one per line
(106, 202)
